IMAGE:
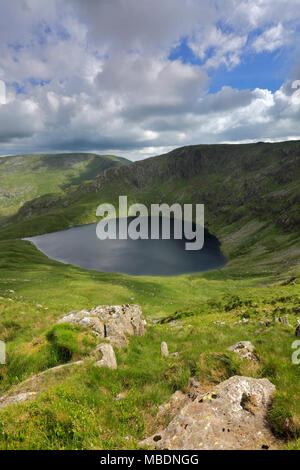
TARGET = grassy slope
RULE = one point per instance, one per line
(251, 196)
(77, 408)
(25, 177)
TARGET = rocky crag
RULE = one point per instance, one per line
(233, 415)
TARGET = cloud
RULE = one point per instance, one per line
(141, 25)
(19, 119)
(96, 76)
(272, 39)
(226, 47)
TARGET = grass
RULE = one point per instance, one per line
(25, 177)
(78, 409)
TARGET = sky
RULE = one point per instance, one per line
(138, 78)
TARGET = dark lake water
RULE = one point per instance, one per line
(81, 247)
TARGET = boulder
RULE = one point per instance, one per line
(231, 416)
(286, 321)
(244, 349)
(220, 323)
(108, 356)
(193, 388)
(15, 399)
(112, 322)
(164, 349)
(265, 322)
(175, 354)
(173, 406)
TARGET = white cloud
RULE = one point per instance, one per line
(227, 48)
(272, 39)
(20, 119)
(143, 25)
(87, 75)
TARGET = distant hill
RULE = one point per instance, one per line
(251, 194)
(25, 177)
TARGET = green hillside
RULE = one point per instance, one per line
(251, 197)
(25, 177)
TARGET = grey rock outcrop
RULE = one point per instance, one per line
(177, 401)
(244, 349)
(243, 321)
(193, 389)
(286, 321)
(231, 416)
(15, 399)
(265, 322)
(111, 322)
(108, 356)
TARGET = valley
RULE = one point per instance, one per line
(258, 228)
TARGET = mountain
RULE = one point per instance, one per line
(25, 177)
(251, 194)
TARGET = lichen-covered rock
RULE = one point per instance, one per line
(231, 416)
(244, 349)
(173, 406)
(108, 356)
(112, 322)
(193, 389)
(85, 319)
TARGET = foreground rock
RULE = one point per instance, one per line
(173, 406)
(108, 356)
(111, 322)
(231, 416)
(22, 394)
(15, 399)
(244, 349)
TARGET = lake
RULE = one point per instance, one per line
(81, 247)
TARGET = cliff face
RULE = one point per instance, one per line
(263, 179)
(277, 160)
